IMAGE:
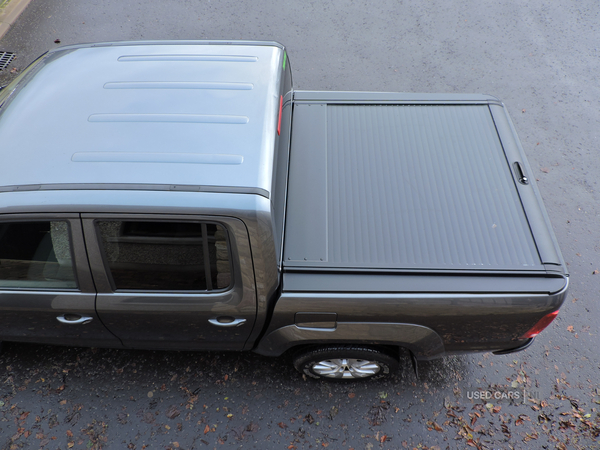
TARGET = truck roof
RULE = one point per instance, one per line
(193, 113)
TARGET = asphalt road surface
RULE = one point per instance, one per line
(541, 58)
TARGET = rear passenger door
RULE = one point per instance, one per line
(46, 290)
(172, 282)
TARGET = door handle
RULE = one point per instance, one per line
(227, 321)
(74, 319)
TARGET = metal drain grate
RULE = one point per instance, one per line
(5, 59)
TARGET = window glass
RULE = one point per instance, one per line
(36, 255)
(188, 256)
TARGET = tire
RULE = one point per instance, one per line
(345, 362)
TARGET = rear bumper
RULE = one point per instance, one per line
(515, 349)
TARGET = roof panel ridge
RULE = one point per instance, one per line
(235, 86)
(169, 118)
(188, 57)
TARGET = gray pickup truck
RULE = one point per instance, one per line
(182, 195)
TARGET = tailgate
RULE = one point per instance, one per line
(417, 182)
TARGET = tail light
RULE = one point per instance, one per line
(540, 325)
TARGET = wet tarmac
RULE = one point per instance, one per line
(541, 59)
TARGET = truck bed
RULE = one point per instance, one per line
(411, 182)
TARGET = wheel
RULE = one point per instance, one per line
(345, 362)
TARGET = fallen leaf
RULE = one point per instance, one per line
(545, 170)
(53, 421)
(436, 427)
(172, 412)
(447, 403)
(529, 437)
(595, 272)
(333, 412)
(570, 328)
(351, 395)
(282, 425)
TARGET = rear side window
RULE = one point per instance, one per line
(165, 256)
(36, 255)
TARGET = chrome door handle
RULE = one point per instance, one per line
(227, 321)
(74, 319)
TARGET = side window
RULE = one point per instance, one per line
(165, 256)
(36, 255)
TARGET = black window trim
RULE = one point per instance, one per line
(152, 218)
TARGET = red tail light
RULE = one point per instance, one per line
(540, 325)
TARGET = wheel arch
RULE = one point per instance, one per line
(422, 341)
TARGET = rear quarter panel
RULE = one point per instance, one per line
(466, 312)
